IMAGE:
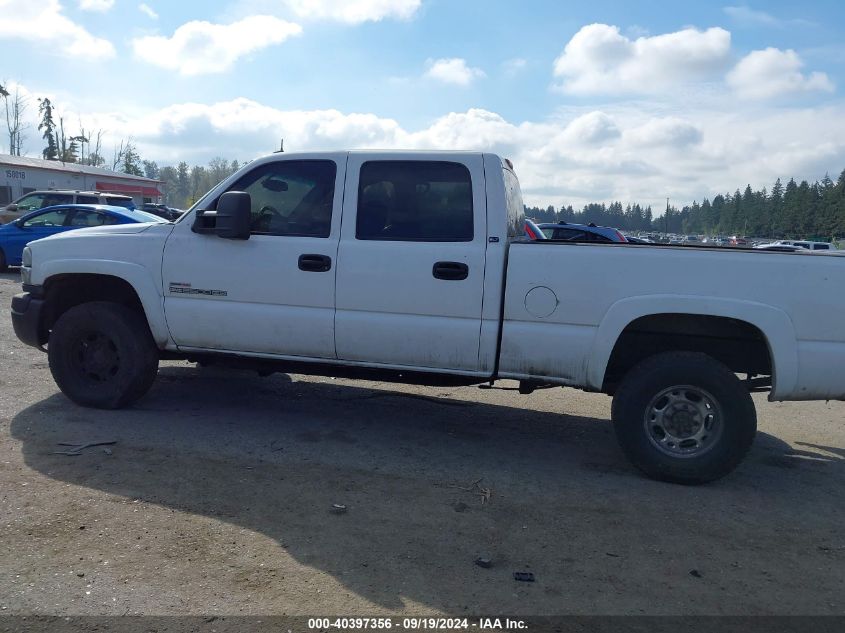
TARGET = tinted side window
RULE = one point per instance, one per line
(50, 218)
(57, 198)
(570, 235)
(414, 201)
(84, 217)
(821, 247)
(515, 207)
(87, 200)
(291, 197)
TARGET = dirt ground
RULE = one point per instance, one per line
(216, 498)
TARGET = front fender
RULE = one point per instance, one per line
(775, 324)
(137, 276)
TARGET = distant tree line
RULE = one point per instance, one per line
(630, 218)
(797, 210)
(183, 185)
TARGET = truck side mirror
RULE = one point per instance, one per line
(231, 220)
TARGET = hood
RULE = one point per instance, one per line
(114, 229)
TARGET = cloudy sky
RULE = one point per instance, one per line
(593, 101)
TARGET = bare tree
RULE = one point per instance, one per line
(126, 158)
(119, 154)
(95, 156)
(15, 105)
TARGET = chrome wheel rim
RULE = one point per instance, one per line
(683, 421)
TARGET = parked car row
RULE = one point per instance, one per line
(57, 219)
(734, 240)
(49, 198)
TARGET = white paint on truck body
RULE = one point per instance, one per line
(380, 306)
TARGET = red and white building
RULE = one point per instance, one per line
(20, 175)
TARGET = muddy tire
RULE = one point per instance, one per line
(102, 355)
(683, 417)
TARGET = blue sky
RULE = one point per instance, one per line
(594, 100)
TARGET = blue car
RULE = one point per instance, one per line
(57, 219)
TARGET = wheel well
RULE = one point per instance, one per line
(740, 346)
(63, 292)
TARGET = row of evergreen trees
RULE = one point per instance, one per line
(797, 210)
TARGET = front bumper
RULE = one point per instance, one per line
(27, 308)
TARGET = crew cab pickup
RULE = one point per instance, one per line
(413, 266)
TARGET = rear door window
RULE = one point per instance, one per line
(51, 199)
(414, 201)
(87, 200)
(89, 217)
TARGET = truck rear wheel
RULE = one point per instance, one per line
(102, 355)
(684, 417)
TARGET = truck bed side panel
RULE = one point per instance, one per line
(592, 292)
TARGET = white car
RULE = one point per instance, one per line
(810, 246)
(413, 267)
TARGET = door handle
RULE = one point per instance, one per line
(450, 271)
(315, 263)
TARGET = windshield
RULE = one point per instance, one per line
(126, 203)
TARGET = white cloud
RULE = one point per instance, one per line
(514, 66)
(626, 153)
(667, 131)
(197, 48)
(744, 15)
(600, 60)
(774, 73)
(148, 11)
(631, 152)
(44, 23)
(453, 71)
(591, 128)
(96, 5)
(354, 11)
(751, 17)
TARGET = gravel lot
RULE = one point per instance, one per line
(217, 498)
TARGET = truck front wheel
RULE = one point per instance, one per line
(102, 355)
(683, 417)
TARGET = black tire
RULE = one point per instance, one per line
(660, 410)
(102, 355)
(4, 265)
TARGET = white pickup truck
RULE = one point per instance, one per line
(413, 266)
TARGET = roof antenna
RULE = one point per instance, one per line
(282, 147)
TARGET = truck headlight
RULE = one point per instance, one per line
(26, 266)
